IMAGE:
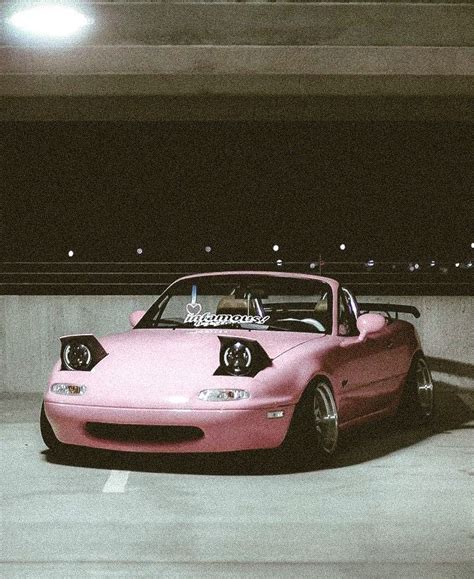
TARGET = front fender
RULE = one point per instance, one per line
(291, 372)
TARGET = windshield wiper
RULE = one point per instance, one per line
(249, 327)
(173, 324)
(169, 323)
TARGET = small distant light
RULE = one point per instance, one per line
(313, 265)
(70, 253)
(432, 263)
(370, 263)
(457, 264)
(279, 262)
(417, 266)
(472, 245)
(276, 247)
(469, 264)
(139, 251)
(49, 21)
(394, 267)
(411, 268)
(208, 249)
(342, 247)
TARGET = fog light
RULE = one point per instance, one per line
(68, 389)
(276, 414)
(221, 395)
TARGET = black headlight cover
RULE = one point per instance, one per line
(260, 358)
(91, 343)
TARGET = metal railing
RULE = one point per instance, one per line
(150, 277)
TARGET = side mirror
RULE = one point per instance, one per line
(135, 317)
(370, 324)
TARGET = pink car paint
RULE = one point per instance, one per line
(152, 377)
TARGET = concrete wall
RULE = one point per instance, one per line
(30, 327)
(446, 329)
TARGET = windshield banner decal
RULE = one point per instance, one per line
(193, 309)
(195, 317)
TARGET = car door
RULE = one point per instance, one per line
(364, 367)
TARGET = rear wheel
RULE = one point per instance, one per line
(417, 404)
(47, 433)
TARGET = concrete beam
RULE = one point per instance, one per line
(299, 50)
(350, 24)
(199, 70)
(239, 60)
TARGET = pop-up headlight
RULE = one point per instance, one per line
(81, 352)
(241, 357)
(237, 358)
(77, 356)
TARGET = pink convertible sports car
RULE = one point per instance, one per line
(237, 361)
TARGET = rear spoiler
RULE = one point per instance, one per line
(387, 308)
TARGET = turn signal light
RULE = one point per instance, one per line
(276, 414)
(68, 389)
(221, 395)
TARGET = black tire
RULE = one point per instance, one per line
(417, 404)
(314, 431)
(47, 433)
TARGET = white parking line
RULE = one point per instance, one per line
(116, 482)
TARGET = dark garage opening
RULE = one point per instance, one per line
(388, 190)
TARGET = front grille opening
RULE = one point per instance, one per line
(143, 433)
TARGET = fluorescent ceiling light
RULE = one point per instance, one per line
(49, 21)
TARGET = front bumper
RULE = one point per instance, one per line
(223, 430)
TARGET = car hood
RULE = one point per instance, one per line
(193, 346)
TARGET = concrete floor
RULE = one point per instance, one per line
(395, 504)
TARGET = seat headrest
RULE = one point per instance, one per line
(231, 305)
(321, 307)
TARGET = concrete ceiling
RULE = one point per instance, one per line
(153, 60)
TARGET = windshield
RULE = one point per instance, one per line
(252, 302)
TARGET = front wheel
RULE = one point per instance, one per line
(47, 433)
(315, 428)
